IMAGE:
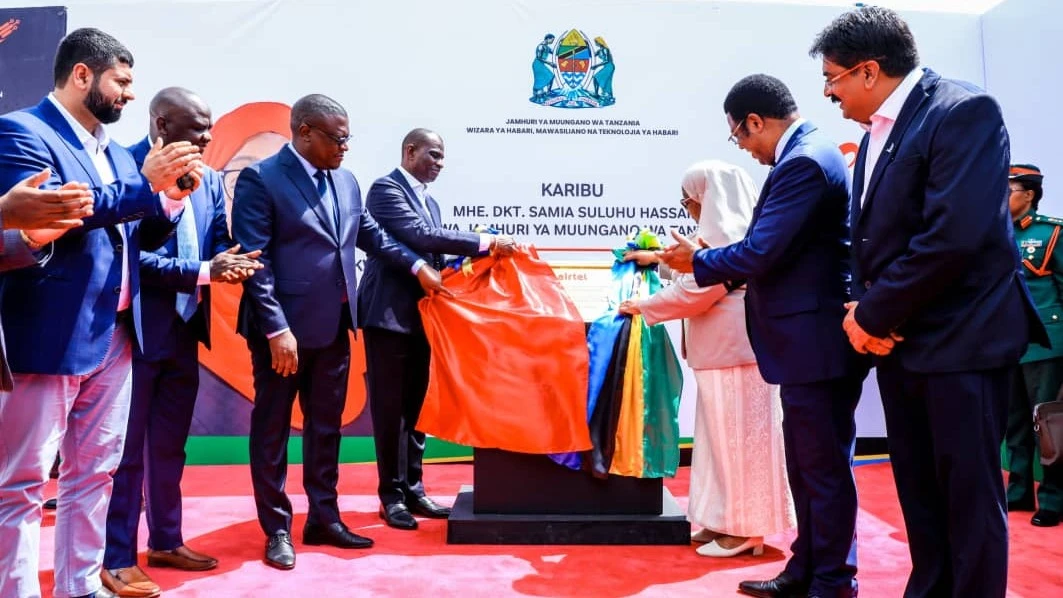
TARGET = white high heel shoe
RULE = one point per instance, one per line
(714, 549)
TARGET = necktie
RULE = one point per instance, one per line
(187, 248)
(326, 197)
(428, 208)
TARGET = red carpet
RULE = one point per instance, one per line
(220, 520)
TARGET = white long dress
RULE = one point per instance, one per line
(738, 483)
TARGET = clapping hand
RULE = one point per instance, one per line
(165, 164)
(26, 207)
(232, 267)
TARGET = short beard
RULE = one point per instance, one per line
(104, 111)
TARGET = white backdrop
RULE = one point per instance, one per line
(452, 66)
(1023, 42)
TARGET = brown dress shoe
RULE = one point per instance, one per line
(129, 582)
(183, 558)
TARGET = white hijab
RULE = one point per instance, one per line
(727, 196)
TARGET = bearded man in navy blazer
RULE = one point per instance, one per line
(72, 322)
(794, 261)
(305, 214)
(934, 263)
(396, 350)
(175, 302)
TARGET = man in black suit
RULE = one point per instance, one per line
(397, 352)
(935, 263)
(305, 213)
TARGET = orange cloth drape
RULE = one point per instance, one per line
(509, 359)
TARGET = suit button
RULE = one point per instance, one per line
(118, 248)
(118, 290)
(867, 284)
(1055, 316)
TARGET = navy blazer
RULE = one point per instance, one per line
(795, 261)
(71, 299)
(13, 255)
(389, 295)
(163, 274)
(309, 266)
(933, 249)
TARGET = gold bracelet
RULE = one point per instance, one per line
(30, 242)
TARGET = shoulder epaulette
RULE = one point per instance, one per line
(1048, 219)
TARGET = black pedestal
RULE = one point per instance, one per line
(529, 499)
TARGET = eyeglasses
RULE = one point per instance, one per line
(339, 141)
(828, 85)
(1016, 189)
(733, 137)
(685, 202)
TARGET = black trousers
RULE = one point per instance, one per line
(1038, 382)
(397, 372)
(944, 432)
(819, 433)
(321, 385)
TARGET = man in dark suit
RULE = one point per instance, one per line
(934, 262)
(25, 207)
(72, 392)
(794, 263)
(397, 352)
(305, 214)
(175, 303)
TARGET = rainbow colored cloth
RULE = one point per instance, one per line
(635, 383)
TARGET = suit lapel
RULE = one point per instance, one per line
(344, 197)
(297, 175)
(52, 117)
(915, 100)
(411, 197)
(858, 182)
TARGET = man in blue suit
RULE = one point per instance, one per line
(934, 262)
(396, 350)
(25, 208)
(305, 214)
(175, 303)
(71, 323)
(794, 261)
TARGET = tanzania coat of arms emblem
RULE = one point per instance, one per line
(572, 73)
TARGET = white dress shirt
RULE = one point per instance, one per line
(421, 191)
(787, 134)
(882, 124)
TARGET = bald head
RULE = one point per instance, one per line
(177, 114)
(422, 154)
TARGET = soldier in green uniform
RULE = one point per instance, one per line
(1042, 369)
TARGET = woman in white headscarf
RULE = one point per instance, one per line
(738, 486)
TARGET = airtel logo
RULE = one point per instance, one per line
(8, 28)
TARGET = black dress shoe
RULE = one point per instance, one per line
(1020, 505)
(782, 586)
(334, 534)
(1043, 518)
(279, 551)
(51, 504)
(398, 516)
(429, 508)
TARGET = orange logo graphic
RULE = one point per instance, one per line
(8, 28)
